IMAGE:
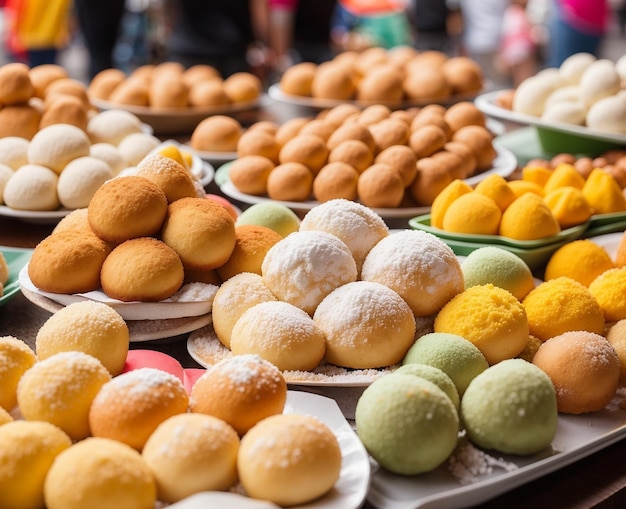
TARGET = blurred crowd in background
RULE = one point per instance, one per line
(510, 39)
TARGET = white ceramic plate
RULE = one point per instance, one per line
(504, 164)
(216, 158)
(188, 306)
(34, 216)
(577, 436)
(349, 491)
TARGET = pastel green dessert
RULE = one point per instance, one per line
(407, 424)
(453, 354)
(499, 267)
(511, 408)
(273, 215)
(434, 375)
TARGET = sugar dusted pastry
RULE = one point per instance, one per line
(80, 180)
(58, 144)
(112, 126)
(32, 187)
(137, 145)
(16, 357)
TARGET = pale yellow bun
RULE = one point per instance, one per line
(208, 93)
(143, 269)
(289, 459)
(103, 83)
(56, 145)
(389, 132)
(217, 133)
(258, 142)
(68, 262)
(135, 146)
(42, 75)
(97, 330)
(65, 109)
(403, 159)
(127, 207)
(15, 84)
(242, 87)
(281, 333)
(190, 453)
(100, 473)
(234, 296)
(72, 379)
(19, 120)
(249, 174)
(28, 449)
(308, 149)
(380, 186)
(241, 390)
(202, 232)
(131, 92)
(32, 187)
(112, 126)
(14, 151)
(110, 154)
(336, 180)
(16, 357)
(298, 79)
(80, 179)
(5, 416)
(168, 91)
(171, 176)
(131, 406)
(356, 153)
(291, 181)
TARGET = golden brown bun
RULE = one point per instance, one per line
(171, 176)
(333, 81)
(290, 182)
(258, 142)
(298, 79)
(431, 115)
(66, 86)
(142, 269)
(453, 163)
(383, 83)
(208, 93)
(19, 120)
(268, 126)
(380, 186)
(168, 91)
(463, 113)
(374, 114)
(427, 85)
(15, 84)
(466, 154)
(389, 132)
(127, 207)
(68, 262)
(336, 180)
(167, 68)
(65, 109)
(249, 174)
(218, 133)
(308, 149)
(202, 232)
(131, 92)
(103, 83)
(620, 256)
(427, 140)
(352, 131)
(340, 113)
(198, 73)
(479, 139)
(353, 152)
(463, 74)
(242, 87)
(319, 127)
(290, 129)
(432, 177)
(403, 159)
(42, 75)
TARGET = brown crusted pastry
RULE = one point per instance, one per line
(103, 83)
(15, 84)
(290, 182)
(42, 75)
(218, 133)
(171, 176)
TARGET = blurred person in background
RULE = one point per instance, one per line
(518, 50)
(437, 25)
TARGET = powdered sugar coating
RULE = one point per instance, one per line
(419, 266)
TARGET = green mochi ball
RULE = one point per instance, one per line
(434, 375)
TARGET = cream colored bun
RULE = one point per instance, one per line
(190, 453)
(68, 262)
(70, 381)
(598, 81)
(103, 83)
(241, 390)
(97, 330)
(308, 149)
(100, 473)
(110, 154)
(15, 84)
(242, 87)
(402, 158)
(65, 109)
(168, 91)
(511, 407)
(380, 186)
(32, 187)
(607, 114)
(336, 180)
(131, 406)
(233, 298)
(44, 74)
(80, 179)
(385, 408)
(584, 369)
(366, 325)
(14, 151)
(252, 242)
(249, 174)
(290, 182)
(171, 176)
(202, 232)
(56, 145)
(16, 357)
(306, 266)
(217, 133)
(127, 207)
(573, 67)
(6, 172)
(356, 225)
(27, 451)
(415, 264)
(19, 120)
(280, 333)
(5, 416)
(289, 459)
(143, 269)
(135, 146)
(112, 126)
(297, 79)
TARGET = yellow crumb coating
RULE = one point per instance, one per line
(582, 260)
(473, 213)
(564, 175)
(609, 289)
(520, 187)
(603, 193)
(497, 188)
(536, 174)
(528, 218)
(562, 305)
(443, 200)
(16, 357)
(569, 206)
(488, 316)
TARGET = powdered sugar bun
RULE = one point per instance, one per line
(32, 187)
(367, 325)
(171, 176)
(419, 266)
(110, 154)
(56, 145)
(112, 126)
(280, 333)
(131, 406)
(241, 390)
(306, 266)
(135, 146)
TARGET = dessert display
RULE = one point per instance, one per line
(608, 290)
(582, 260)
(275, 216)
(434, 375)
(17, 358)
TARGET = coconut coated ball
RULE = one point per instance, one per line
(16, 357)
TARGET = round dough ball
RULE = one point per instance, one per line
(143, 269)
(65, 109)
(274, 215)
(415, 264)
(609, 289)
(66, 87)
(135, 146)
(584, 369)
(15, 84)
(258, 142)
(80, 179)
(129, 407)
(127, 207)
(190, 453)
(573, 67)
(569, 112)
(209, 93)
(249, 174)
(90, 327)
(340, 113)
(334, 181)
(171, 176)
(380, 186)
(511, 407)
(16, 357)
(319, 127)
(298, 79)
(463, 75)
(381, 84)
(217, 133)
(14, 151)
(308, 149)
(99, 473)
(352, 131)
(356, 153)
(110, 154)
(374, 114)
(289, 459)
(102, 84)
(168, 91)
(428, 85)
(290, 181)
(56, 145)
(112, 126)
(234, 296)
(616, 335)
(202, 232)
(242, 87)
(242, 390)
(531, 95)
(479, 139)
(434, 375)
(71, 380)
(199, 72)
(381, 415)
(464, 113)
(19, 120)
(44, 74)
(32, 187)
(607, 114)
(600, 79)
(306, 266)
(27, 451)
(333, 81)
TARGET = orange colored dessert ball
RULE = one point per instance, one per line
(336, 180)
(472, 213)
(16, 357)
(609, 289)
(528, 218)
(290, 181)
(582, 260)
(380, 186)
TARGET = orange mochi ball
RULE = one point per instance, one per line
(603, 193)
(609, 289)
(16, 357)
(582, 260)
(569, 206)
(473, 213)
(562, 305)
(443, 200)
(528, 218)
(498, 189)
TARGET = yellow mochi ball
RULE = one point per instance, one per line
(15, 358)
(528, 218)
(473, 213)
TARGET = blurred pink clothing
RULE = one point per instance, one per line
(589, 16)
